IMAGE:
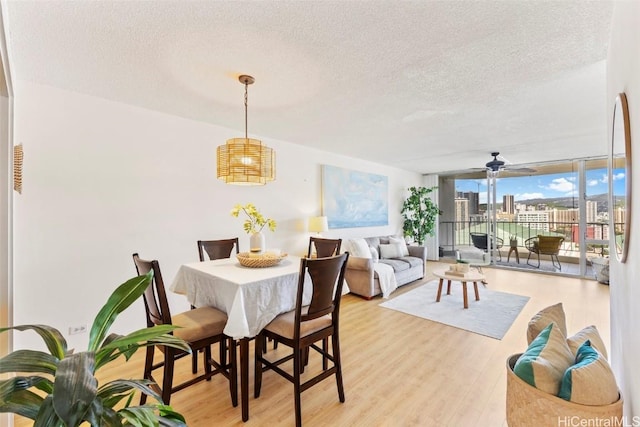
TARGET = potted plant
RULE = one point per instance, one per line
(253, 225)
(420, 214)
(67, 392)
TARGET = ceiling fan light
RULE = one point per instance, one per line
(495, 164)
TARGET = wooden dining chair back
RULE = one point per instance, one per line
(545, 245)
(199, 328)
(217, 249)
(324, 247)
(302, 328)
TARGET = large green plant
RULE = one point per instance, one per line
(66, 389)
(420, 214)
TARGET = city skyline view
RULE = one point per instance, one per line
(546, 186)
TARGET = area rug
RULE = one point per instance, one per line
(524, 266)
(491, 316)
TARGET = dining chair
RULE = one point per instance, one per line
(544, 245)
(217, 249)
(324, 247)
(302, 328)
(199, 328)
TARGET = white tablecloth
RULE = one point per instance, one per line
(251, 297)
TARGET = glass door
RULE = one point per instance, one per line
(594, 255)
(562, 201)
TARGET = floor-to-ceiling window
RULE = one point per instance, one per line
(566, 201)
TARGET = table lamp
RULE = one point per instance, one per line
(318, 224)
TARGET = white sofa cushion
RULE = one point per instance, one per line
(359, 248)
(392, 250)
(403, 245)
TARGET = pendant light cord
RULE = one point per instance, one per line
(246, 102)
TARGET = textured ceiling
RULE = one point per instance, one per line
(428, 86)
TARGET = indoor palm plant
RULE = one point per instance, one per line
(61, 388)
(420, 214)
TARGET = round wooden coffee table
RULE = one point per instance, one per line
(471, 276)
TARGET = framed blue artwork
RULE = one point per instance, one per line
(354, 199)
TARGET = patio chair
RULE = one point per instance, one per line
(480, 241)
(545, 245)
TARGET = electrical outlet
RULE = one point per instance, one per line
(80, 329)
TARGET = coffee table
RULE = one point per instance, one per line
(471, 276)
(475, 258)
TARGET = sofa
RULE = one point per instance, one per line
(360, 275)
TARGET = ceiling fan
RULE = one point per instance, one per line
(499, 164)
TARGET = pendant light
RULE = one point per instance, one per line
(246, 161)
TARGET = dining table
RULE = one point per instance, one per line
(251, 298)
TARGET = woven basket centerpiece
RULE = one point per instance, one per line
(267, 259)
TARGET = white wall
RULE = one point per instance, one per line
(6, 189)
(623, 75)
(103, 180)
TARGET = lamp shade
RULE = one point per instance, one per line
(245, 161)
(318, 224)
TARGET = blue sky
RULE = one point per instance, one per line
(546, 186)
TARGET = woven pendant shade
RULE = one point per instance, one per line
(246, 161)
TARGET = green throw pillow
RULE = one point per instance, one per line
(588, 333)
(545, 361)
(590, 381)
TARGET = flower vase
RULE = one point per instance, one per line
(257, 243)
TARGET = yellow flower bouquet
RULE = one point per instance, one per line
(255, 221)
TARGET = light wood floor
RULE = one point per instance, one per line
(400, 370)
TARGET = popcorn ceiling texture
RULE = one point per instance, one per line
(424, 86)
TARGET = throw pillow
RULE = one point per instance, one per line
(390, 251)
(359, 248)
(590, 381)
(403, 245)
(545, 361)
(374, 254)
(541, 320)
(589, 333)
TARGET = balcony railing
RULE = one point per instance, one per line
(456, 234)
